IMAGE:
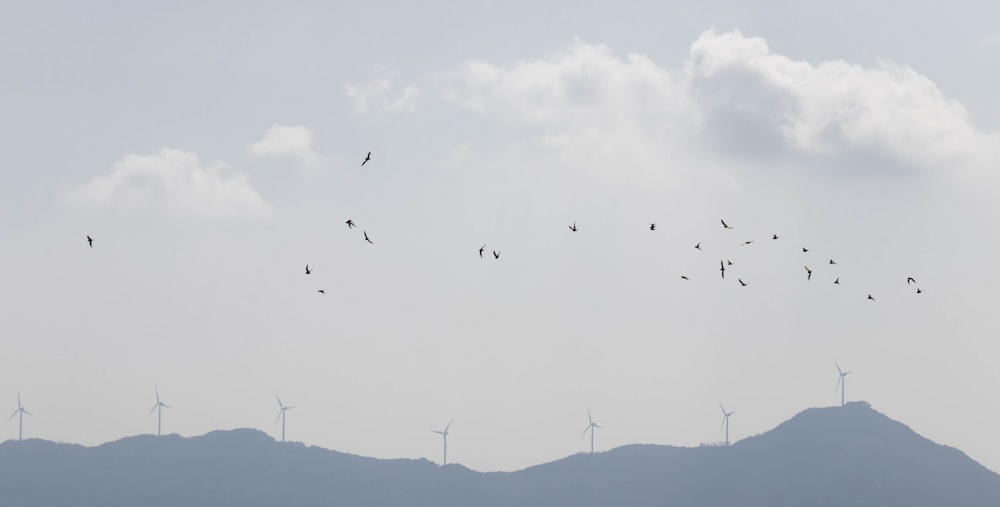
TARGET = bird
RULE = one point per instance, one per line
(481, 251)
(832, 261)
(774, 236)
(321, 291)
(90, 241)
(308, 271)
(722, 268)
(367, 158)
(742, 283)
(804, 249)
(698, 246)
(366, 238)
(350, 223)
(724, 224)
(685, 278)
(729, 262)
(918, 290)
(909, 279)
(496, 254)
(809, 273)
(870, 297)
(573, 227)
(837, 281)
(652, 227)
(745, 243)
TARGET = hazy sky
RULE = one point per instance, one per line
(212, 149)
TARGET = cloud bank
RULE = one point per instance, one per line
(286, 142)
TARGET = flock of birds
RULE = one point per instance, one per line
(723, 263)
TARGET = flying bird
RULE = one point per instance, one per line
(745, 243)
(652, 227)
(481, 251)
(698, 246)
(909, 279)
(573, 227)
(804, 249)
(350, 223)
(321, 291)
(90, 241)
(722, 268)
(742, 283)
(809, 273)
(308, 271)
(496, 254)
(870, 297)
(832, 261)
(724, 224)
(366, 238)
(367, 158)
(918, 290)
(729, 262)
(775, 236)
(837, 281)
(685, 278)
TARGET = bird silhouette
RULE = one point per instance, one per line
(722, 268)
(809, 273)
(729, 262)
(685, 278)
(308, 271)
(321, 291)
(837, 281)
(910, 280)
(804, 249)
(496, 254)
(742, 283)
(832, 261)
(573, 227)
(698, 246)
(366, 238)
(90, 241)
(481, 251)
(652, 227)
(918, 290)
(745, 243)
(870, 297)
(775, 236)
(367, 158)
(724, 224)
(350, 223)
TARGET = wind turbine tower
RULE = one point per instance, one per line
(841, 382)
(281, 416)
(20, 420)
(158, 408)
(590, 427)
(444, 435)
(725, 420)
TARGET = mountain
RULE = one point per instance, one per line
(842, 456)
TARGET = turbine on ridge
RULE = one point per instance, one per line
(444, 436)
(281, 416)
(20, 420)
(725, 421)
(590, 427)
(841, 381)
(158, 408)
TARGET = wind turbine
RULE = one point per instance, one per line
(444, 435)
(725, 420)
(158, 408)
(590, 428)
(841, 382)
(281, 416)
(20, 420)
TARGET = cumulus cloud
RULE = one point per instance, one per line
(286, 142)
(733, 97)
(377, 91)
(173, 182)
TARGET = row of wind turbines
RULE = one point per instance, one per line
(283, 409)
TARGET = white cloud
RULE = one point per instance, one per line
(367, 93)
(732, 97)
(286, 142)
(173, 182)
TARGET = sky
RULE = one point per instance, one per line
(212, 150)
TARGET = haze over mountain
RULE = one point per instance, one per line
(850, 455)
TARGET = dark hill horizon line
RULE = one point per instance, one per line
(255, 434)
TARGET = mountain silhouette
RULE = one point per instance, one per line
(841, 456)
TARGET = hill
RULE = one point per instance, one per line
(839, 456)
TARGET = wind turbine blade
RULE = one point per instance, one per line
(157, 390)
(25, 412)
(723, 408)
(279, 401)
(723, 425)
(15, 413)
(448, 426)
(280, 411)
(19, 399)
(839, 380)
(598, 426)
(153, 409)
(165, 405)
(838, 368)
(585, 431)
(589, 419)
